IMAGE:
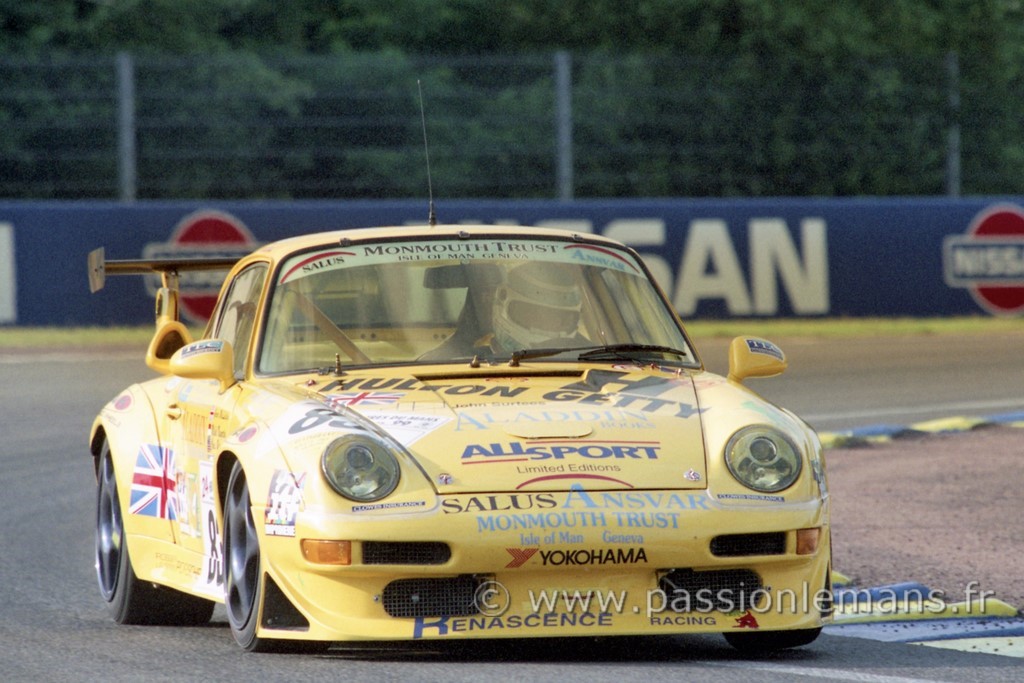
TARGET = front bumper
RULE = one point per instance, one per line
(475, 567)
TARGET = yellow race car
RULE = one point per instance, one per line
(453, 432)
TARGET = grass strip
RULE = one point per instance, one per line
(62, 337)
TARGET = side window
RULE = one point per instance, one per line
(237, 312)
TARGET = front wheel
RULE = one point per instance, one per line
(243, 579)
(758, 642)
(130, 600)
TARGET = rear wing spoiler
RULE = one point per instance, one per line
(169, 269)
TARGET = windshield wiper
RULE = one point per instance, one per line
(625, 351)
(614, 351)
(527, 354)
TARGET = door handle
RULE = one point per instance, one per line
(174, 411)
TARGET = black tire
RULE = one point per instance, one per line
(758, 642)
(130, 600)
(243, 576)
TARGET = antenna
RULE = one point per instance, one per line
(431, 216)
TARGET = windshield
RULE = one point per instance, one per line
(438, 301)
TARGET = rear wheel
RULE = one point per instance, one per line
(768, 641)
(130, 600)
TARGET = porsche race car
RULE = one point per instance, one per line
(453, 432)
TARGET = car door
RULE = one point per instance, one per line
(199, 417)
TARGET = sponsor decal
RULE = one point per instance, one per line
(608, 396)
(577, 498)
(577, 556)
(748, 620)
(520, 556)
(187, 490)
(494, 249)
(374, 384)
(197, 426)
(407, 384)
(567, 467)
(765, 348)
(988, 260)
(326, 260)
(283, 502)
(517, 451)
(122, 402)
(591, 255)
(406, 428)
(555, 521)
(500, 503)
(630, 512)
(375, 507)
(623, 539)
(634, 500)
(751, 496)
(623, 400)
(692, 475)
(444, 626)
(683, 620)
(605, 418)
(201, 347)
(153, 491)
(202, 234)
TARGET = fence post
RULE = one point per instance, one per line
(563, 124)
(126, 170)
(953, 133)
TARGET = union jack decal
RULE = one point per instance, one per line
(153, 486)
(370, 398)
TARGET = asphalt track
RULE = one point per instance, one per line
(54, 628)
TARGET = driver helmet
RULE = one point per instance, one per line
(537, 304)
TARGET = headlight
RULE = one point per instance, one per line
(763, 459)
(360, 467)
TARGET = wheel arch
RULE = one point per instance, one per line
(96, 439)
(225, 461)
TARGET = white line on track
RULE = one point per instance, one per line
(821, 673)
(947, 408)
(33, 358)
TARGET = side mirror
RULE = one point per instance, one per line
(206, 359)
(170, 336)
(754, 357)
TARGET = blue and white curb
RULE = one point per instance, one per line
(914, 614)
(884, 433)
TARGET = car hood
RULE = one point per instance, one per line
(491, 431)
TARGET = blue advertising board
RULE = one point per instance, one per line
(715, 258)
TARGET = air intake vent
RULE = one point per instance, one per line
(405, 552)
(454, 597)
(743, 545)
(278, 611)
(724, 590)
